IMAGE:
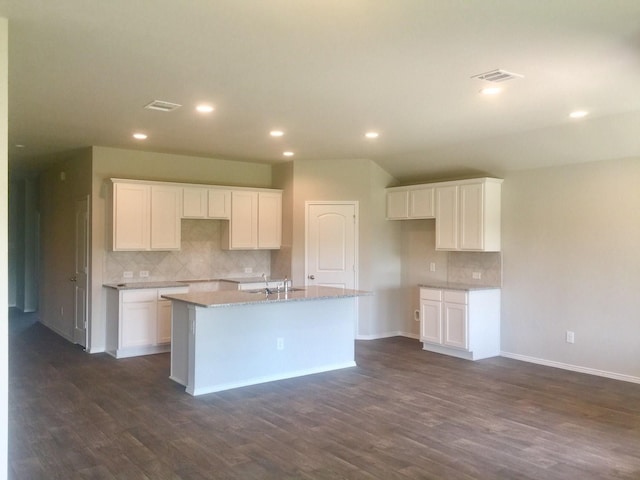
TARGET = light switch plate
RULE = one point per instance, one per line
(127, 275)
(144, 273)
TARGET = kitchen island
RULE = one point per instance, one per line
(228, 339)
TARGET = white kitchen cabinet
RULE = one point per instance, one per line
(269, 220)
(145, 216)
(139, 321)
(131, 216)
(406, 203)
(194, 202)
(166, 210)
(204, 202)
(219, 203)
(468, 215)
(460, 323)
(256, 221)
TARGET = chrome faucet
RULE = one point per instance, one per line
(267, 290)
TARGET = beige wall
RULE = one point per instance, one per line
(120, 163)
(4, 195)
(379, 265)
(570, 250)
(57, 203)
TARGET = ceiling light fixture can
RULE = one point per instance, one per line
(372, 134)
(578, 114)
(491, 91)
(204, 108)
(140, 136)
(287, 154)
(276, 133)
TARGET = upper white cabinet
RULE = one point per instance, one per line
(166, 207)
(256, 221)
(131, 220)
(468, 215)
(219, 203)
(405, 203)
(467, 212)
(205, 202)
(145, 217)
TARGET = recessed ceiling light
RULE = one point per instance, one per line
(204, 108)
(372, 134)
(140, 136)
(578, 114)
(276, 133)
(491, 91)
(19, 145)
(287, 154)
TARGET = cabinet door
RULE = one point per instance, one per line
(431, 321)
(243, 223)
(421, 204)
(194, 202)
(397, 205)
(219, 204)
(130, 216)
(166, 210)
(163, 326)
(269, 220)
(455, 325)
(138, 324)
(447, 218)
(471, 217)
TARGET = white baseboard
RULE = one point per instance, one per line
(573, 368)
(378, 336)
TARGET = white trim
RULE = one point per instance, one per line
(573, 368)
(269, 378)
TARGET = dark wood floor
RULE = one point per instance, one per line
(402, 413)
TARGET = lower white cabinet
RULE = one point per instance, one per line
(139, 321)
(462, 323)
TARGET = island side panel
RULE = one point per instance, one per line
(238, 345)
(180, 323)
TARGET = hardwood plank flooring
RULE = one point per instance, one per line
(402, 413)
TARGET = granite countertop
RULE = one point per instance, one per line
(250, 280)
(142, 285)
(228, 298)
(456, 286)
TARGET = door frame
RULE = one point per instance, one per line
(356, 238)
(87, 239)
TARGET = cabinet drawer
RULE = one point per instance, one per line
(139, 295)
(455, 296)
(430, 294)
(169, 291)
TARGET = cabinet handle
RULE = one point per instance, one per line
(311, 277)
(73, 279)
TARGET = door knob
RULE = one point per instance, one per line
(311, 277)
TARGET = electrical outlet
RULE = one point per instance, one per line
(416, 315)
(571, 336)
(432, 266)
(127, 275)
(144, 273)
(280, 343)
(248, 270)
(476, 275)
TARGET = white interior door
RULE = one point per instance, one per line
(331, 244)
(81, 274)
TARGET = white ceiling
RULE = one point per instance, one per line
(326, 71)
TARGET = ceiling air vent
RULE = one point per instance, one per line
(497, 76)
(162, 106)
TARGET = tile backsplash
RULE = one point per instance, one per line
(462, 265)
(200, 257)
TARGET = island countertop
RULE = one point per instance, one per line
(228, 298)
